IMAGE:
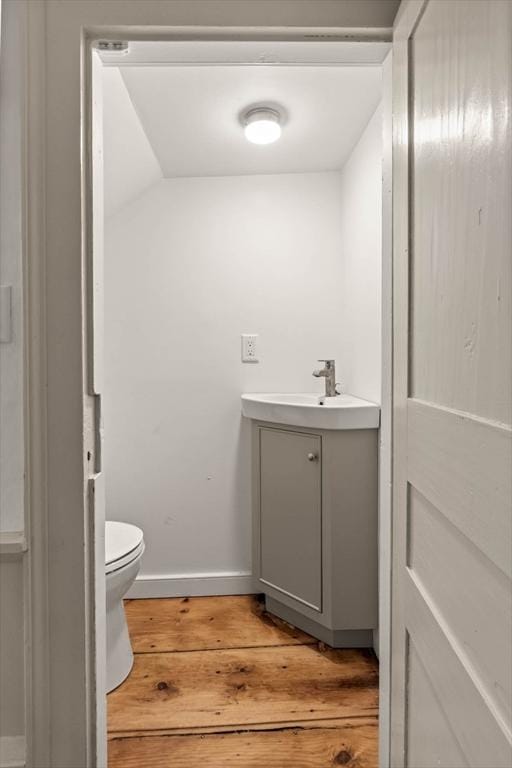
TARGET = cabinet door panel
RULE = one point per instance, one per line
(291, 514)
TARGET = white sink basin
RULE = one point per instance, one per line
(312, 410)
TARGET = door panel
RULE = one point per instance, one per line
(452, 555)
(461, 270)
(468, 600)
(458, 688)
(291, 514)
(462, 464)
(435, 745)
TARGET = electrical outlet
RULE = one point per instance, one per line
(250, 348)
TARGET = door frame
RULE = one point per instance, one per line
(61, 428)
(407, 19)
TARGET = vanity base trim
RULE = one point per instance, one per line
(341, 638)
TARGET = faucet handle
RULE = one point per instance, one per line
(328, 363)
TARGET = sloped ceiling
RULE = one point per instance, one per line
(191, 116)
(130, 162)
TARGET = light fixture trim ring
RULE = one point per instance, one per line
(262, 113)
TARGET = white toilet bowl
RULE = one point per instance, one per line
(124, 546)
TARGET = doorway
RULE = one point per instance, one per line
(209, 578)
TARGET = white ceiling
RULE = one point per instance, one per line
(191, 115)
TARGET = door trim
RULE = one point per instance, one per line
(48, 244)
(37, 558)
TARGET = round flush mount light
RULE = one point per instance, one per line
(262, 125)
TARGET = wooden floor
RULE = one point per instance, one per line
(219, 683)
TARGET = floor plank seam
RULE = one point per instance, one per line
(242, 731)
(256, 727)
(228, 648)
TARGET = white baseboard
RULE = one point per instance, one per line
(12, 752)
(193, 585)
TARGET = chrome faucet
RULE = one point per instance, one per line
(329, 373)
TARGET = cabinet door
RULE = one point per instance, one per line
(291, 514)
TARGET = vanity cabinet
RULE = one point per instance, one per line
(315, 529)
(290, 519)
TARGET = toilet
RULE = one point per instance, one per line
(124, 546)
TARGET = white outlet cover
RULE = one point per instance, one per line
(250, 348)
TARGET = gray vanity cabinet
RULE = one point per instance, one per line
(290, 525)
(315, 529)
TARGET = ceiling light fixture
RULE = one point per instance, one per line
(262, 125)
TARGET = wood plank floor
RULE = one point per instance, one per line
(205, 623)
(218, 682)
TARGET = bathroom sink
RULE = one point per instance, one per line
(312, 410)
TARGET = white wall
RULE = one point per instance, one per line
(189, 266)
(361, 315)
(360, 296)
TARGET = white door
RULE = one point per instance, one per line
(452, 539)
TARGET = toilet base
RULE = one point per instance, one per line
(119, 648)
